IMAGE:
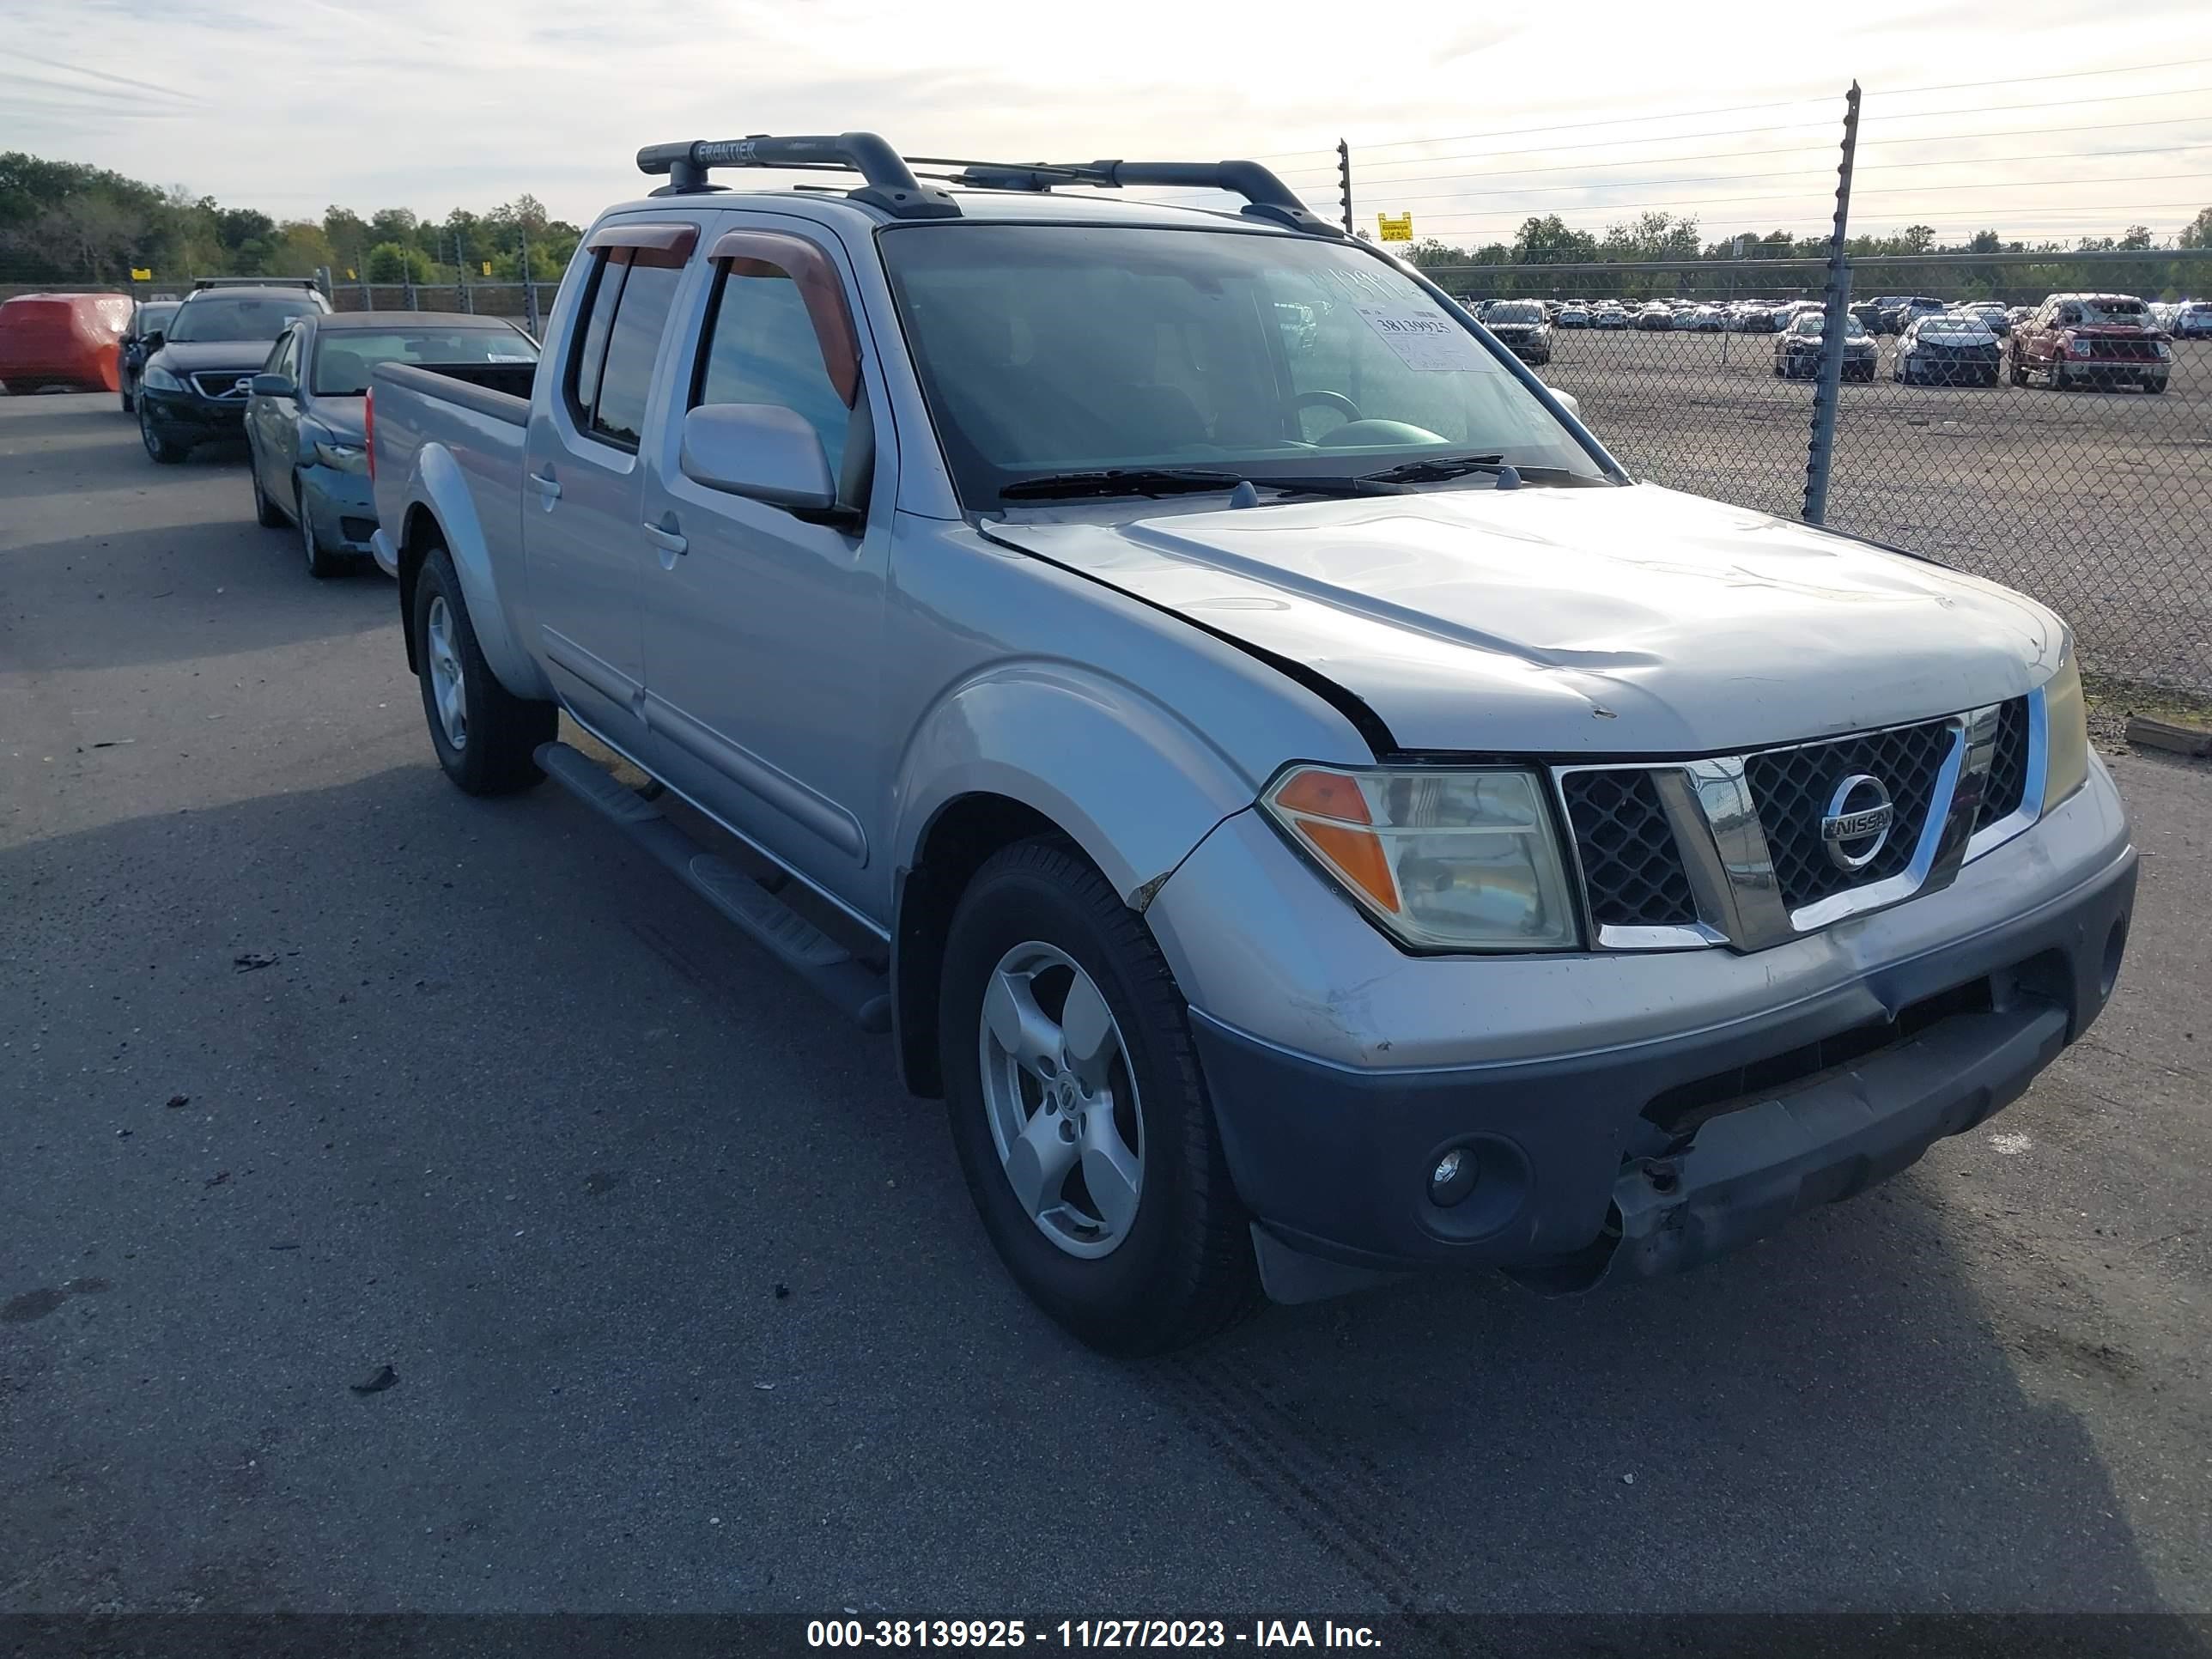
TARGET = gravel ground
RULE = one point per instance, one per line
(312, 1068)
(2099, 503)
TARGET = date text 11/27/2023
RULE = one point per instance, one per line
(1086, 1634)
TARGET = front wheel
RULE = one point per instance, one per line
(322, 564)
(486, 736)
(162, 451)
(266, 513)
(1078, 1111)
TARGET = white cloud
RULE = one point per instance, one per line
(290, 104)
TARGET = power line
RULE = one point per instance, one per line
(1725, 201)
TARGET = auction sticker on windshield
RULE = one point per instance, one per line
(1425, 340)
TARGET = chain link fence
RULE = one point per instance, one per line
(2093, 494)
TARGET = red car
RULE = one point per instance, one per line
(2091, 339)
(61, 339)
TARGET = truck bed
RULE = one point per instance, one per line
(464, 426)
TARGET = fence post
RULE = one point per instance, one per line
(1344, 181)
(1820, 451)
(367, 298)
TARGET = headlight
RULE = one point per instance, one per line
(2082, 348)
(1460, 860)
(342, 458)
(2163, 350)
(160, 380)
(2066, 732)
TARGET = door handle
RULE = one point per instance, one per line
(548, 486)
(666, 540)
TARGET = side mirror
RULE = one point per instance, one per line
(1571, 403)
(275, 385)
(151, 343)
(763, 452)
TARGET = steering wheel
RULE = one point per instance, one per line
(1335, 400)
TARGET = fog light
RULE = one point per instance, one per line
(1453, 1178)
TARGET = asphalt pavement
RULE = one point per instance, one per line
(411, 1202)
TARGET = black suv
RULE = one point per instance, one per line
(199, 369)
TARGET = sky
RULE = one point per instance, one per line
(1469, 121)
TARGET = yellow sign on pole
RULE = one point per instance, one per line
(486, 265)
(1396, 227)
(140, 274)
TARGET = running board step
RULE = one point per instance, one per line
(850, 984)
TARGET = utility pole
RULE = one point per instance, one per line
(1344, 181)
(1821, 450)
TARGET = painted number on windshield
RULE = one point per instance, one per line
(1426, 340)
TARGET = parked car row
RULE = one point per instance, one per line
(2103, 340)
(271, 363)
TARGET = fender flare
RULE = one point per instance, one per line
(440, 508)
(1129, 780)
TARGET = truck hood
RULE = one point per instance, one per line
(1627, 621)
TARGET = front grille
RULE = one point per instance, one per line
(1793, 788)
(222, 384)
(1631, 867)
(2006, 786)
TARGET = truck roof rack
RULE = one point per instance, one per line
(892, 184)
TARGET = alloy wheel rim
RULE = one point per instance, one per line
(448, 686)
(1061, 1100)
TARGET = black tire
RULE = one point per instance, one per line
(1185, 1271)
(322, 564)
(129, 405)
(266, 513)
(163, 451)
(2156, 388)
(498, 749)
(2019, 371)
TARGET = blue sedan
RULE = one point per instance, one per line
(304, 418)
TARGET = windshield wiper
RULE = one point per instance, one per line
(1454, 466)
(1120, 481)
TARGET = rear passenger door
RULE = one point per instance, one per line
(583, 534)
(764, 628)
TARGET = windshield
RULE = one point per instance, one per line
(198, 321)
(1516, 313)
(2109, 311)
(1808, 323)
(345, 357)
(1055, 349)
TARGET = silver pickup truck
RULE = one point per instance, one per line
(1310, 814)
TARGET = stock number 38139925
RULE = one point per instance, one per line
(1015, 1632)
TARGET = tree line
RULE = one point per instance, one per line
(1657, 236)
(63, 222)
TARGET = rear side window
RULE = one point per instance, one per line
(635, 275)
(762, 349)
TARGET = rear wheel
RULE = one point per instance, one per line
(2019, 371)
(486, 736)
(2154, 388)
(129, 406)
(1078, 1111)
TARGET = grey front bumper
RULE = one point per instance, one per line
(1577, 1176)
